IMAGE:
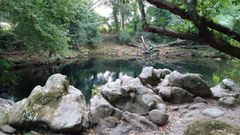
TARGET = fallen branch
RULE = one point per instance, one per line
(14, 53)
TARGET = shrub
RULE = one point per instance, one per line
(125, 37)
(7, 79)
(216, 79)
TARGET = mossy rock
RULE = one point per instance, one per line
(3, 117)
(211, 127)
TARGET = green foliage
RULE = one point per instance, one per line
(160, 17)
(216, 79)
(9, 41)
(234, 73)
(84, 30)
(228, 13)
(125, 37)
(50, 25)
(41, 24)
(96, 90)
(7, 79)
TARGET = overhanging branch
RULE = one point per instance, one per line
(170, 33)
(184, 15)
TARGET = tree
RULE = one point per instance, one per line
(142, 11)
(210, 32)
(49, 26)
(83, 30)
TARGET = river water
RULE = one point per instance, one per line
(85, 73)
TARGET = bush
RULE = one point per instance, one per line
(216, 79)
(9, 41)
(125, 37)
(85, 30)
(7, 79)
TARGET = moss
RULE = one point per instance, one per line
(50, 98)
(211, 127)
(95, 90)
(39, 101)
(4, 119)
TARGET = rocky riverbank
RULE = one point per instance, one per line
(158, 101)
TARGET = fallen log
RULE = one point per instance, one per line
(14, 53)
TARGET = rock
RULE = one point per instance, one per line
(173, 79)
(112, 90)
(100, 108)
(193, 83)
(164, 73)
(210, 126)
(130, 96)
(174, 108)
(3, 117)
(157, 72)
(158, 117)
(218, 92)
(133, 122)
(212, 112)
(231, 85)
(228, 102)
(148, 76)
(175, 95)
(199, 100)
(106, 126)
(197, 106)
(5, 106)
(56, 106)
(161, 107)
(6, 103)
(184, 106)
(1, 133)
(8, 129)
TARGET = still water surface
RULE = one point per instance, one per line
(85, 74)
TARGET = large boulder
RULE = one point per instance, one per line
(106, 126)
(193, 83)
(175, 95)
(211, 127)
(100, 108)
(150, 76)
(57, 106)
(133, 122)
(220, 91)
(231, 85)
(5, 106)
(158, 117)
(129, 94)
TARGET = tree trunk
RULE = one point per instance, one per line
(203, 25)
(143, 14)
(185, 15)
(115, 17)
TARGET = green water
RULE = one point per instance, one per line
(84, 74)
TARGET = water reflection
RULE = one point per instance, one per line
(98, 71)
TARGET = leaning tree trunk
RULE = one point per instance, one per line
(142, 11)
(203, 25)
(115, 17)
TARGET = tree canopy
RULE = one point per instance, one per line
(48, 25)
(63, 24)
